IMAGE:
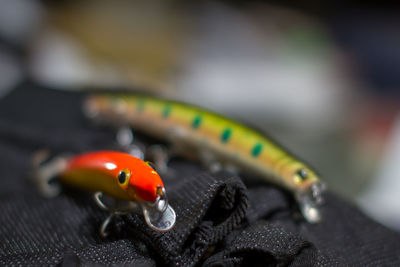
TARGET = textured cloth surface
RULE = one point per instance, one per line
(222, 220)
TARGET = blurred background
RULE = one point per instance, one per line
(321, 78)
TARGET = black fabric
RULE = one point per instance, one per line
(222, 220)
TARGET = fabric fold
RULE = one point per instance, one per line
(264, 244)
(208, 209)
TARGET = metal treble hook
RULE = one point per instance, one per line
(45, 170)
(113, 211)
(159, 215)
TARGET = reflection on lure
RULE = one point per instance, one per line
(116, 174)
(212, 138)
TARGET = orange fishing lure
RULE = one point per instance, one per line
(118, 175)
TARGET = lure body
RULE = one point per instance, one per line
(199, 133)
(116, 174)
(102, 171)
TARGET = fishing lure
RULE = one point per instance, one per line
(116, 174)
(195, 132)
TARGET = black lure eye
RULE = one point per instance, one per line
(302, 173)
(122, 177)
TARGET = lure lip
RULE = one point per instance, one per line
(160, 221)
(310, 201)
(159, 215)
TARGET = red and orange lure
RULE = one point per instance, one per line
(116, 174)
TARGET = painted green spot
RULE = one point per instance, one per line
(226, 134)
(256, 150)
(140, 105)
(196, 122)
(166, 111)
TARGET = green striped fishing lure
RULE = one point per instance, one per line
(210, 137)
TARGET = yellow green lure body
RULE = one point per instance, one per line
(210, 137)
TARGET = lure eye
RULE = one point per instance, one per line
(301, 175)
(123, 178)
